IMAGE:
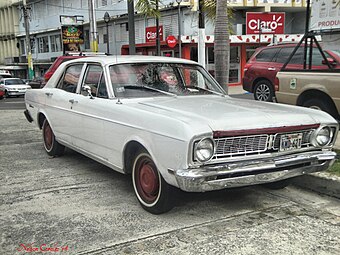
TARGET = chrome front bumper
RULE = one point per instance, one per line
(252, 172)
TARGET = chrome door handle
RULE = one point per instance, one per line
(72, 101)
(48, 94)
(271, 68)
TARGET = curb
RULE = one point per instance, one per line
(321, 182)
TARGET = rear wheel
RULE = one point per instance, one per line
(153, 192)
(52, 147)
(323, 105)
(263, 91)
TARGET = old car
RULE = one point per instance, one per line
(170, 125)
(14, 86)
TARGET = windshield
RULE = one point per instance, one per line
(159, 79)
(14, 82)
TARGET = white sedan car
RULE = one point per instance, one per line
(14, 86)
(169, 124)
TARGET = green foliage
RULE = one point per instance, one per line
(149, 7)
(335, 169)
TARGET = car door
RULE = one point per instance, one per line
(92, 99)
(60, 101)
(265, 65)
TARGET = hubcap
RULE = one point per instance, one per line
(315, 107)
(48, 136)
(147, 180)
(262, 92)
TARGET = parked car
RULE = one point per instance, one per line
(167, 123)
(261, 69)
(2, 91)
(36, 83)
(59, 60)
(14, 86)
(5, 74)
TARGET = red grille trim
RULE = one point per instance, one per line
(258, 131)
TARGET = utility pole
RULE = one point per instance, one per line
(201, 34)
(93, 27)
(158, 39)
(131, 26)
(28, 42)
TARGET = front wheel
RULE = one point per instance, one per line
(153, 192)
(263, 91)
(52, 147)
(323, 105)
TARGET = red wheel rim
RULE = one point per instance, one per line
(48, 136)
(147, 180)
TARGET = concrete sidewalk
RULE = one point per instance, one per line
(235, 90)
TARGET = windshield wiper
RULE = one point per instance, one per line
(149, 88)
(203, 89)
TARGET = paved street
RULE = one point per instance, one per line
(75, 204)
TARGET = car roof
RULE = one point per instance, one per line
(125, 59)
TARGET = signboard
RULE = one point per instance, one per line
(150, 34)
(265, 22)
(325, 15)
(72, 36)
(171, 41)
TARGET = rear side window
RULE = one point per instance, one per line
(70, 79)
(266, 55)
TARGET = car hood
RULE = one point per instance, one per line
(18, 86)
(226, 113)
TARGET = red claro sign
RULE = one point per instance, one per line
(150, 34)
(265, 22)
(171, 41)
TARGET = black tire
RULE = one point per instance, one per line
(6, 94)
(263, 91)
(153, 193)
(277, 185)
(52, 147)
(323, 105)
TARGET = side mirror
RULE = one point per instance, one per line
(87, 91)
(331, 61)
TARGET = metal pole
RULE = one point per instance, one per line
(108, 38)
(93, 27)
(201, 35)
(28, 42)
(179, 30)
(307, 17)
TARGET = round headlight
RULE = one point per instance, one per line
(204, 150)
(323, 136)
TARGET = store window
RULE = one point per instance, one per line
(55, 43)
(43, 44)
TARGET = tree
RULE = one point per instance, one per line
(150, 8)
(222, 46)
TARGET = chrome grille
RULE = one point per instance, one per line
(254, 144)
(242, 145)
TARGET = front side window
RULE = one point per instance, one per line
(70, 78)
(159, 79)
(266, 55)
(94, 79)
